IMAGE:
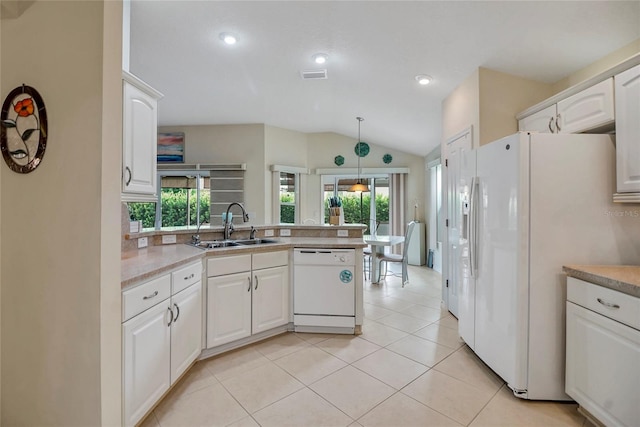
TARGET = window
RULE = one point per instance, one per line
(286, 187)
(191, 195)
(288, 198)
(370, 208)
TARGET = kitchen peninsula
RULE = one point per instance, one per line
(183, 302)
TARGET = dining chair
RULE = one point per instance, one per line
(386, 258)
(366, 261)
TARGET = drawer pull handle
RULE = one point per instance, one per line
(191, 276)
(150, 296)
(177, 312)
(170, 320)
(608, 304)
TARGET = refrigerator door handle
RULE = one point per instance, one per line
(472, 227)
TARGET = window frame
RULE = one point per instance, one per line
(197, 173)
(277, 170)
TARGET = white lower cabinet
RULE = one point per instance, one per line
(603, 356)
(246, 294)
(159, 342)
(146, 364)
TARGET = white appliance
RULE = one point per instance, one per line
(324, 290)
(536, 203)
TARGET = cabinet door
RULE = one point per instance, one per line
(146, 348)
(228, 308)
(602, 369)
(140, 133)
(543, 121)
(186, 329)
(588, 109)
(628, 130)
(270, 298)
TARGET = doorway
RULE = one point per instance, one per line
(460, 167)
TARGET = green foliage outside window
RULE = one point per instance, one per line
(287, 212)
(351, 208)
(174, 209)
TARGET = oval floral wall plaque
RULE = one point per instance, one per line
(23, 137)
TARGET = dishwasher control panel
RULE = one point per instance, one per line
(324, 256)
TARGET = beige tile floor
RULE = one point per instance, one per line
(408, 368)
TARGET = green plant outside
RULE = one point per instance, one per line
(351, 208)
(174, 209)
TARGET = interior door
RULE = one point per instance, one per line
(461, 167)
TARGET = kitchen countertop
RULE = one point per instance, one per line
(141, 264)
(622, 278)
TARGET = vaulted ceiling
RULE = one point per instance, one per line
(375, 49)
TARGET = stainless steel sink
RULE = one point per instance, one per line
(212, 244)
(255, 241)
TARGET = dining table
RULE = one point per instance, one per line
(378, 243)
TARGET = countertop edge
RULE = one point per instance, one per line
(607, 276)
(140, 265)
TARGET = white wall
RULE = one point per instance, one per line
(59, 277)
(324, 147)
(230, 144)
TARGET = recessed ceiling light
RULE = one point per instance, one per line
(320, 58)
(423, 79)
(228, 38)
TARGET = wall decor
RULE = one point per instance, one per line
(338, 160)
(387, 158)
(171, 147)
(23, 136)
(361, 149)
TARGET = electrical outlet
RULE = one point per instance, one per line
(142, 242)
(343, 233)
(284, 232)
(168, 239)
(268, 233)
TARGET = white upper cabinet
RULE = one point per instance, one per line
(586, 110)
(627, 88)
(140, 134)
(544, 121)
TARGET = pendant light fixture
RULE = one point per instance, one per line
(359, 186)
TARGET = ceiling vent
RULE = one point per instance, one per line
(314, 74)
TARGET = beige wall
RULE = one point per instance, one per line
(110, 241)
(55, 265)
(461, 109)
(501, 97)
(288, 148)
(324, 147)
(598, 67)
(230, 144)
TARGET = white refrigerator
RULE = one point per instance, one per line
(536, 203)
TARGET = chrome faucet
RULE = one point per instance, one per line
(195, 238)
(228, 225)
(252, 235)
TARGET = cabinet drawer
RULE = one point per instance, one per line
(219, 266)
(613, 304)
(270, 259)
(140, 298)
(185, 277)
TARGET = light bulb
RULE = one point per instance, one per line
(320, 58)
(228, 38)
(423, 79)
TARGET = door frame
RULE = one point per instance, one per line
(467, 132)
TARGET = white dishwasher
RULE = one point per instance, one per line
(324, 292)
